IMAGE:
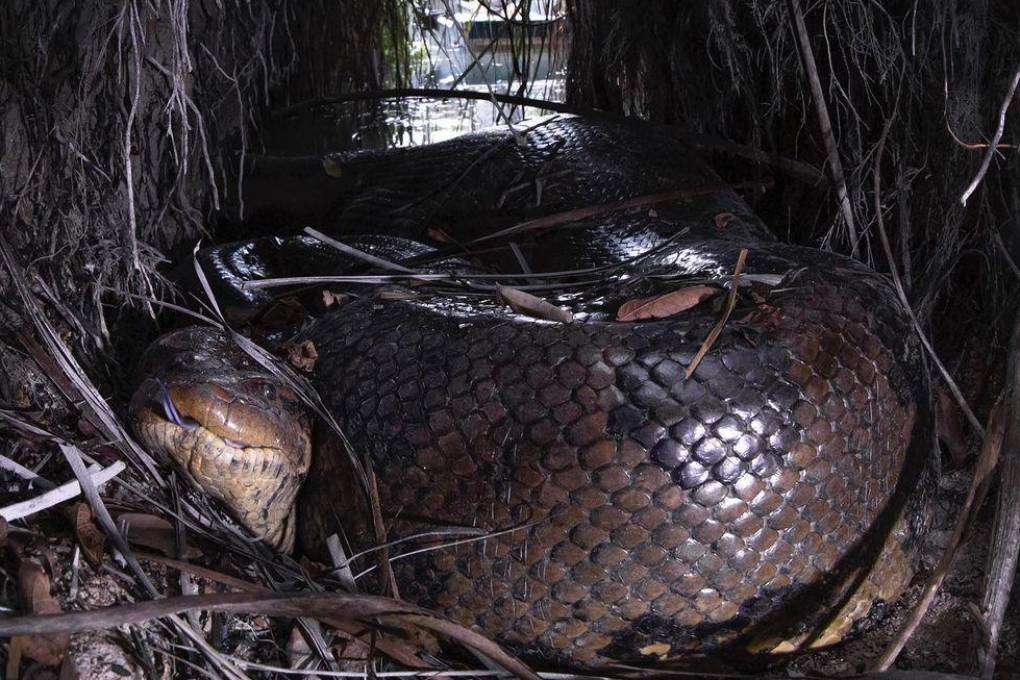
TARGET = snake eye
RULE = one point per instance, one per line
(261, 389)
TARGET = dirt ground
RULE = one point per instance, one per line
(946, 639)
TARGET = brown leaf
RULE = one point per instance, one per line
(439, 235)
(298, 650)
(90, 538)
(34, 592)
(332, 167)
(69, 670)
(303, 356)
(665, 305)
(723, 219)
(154, 533)
(329, 298)
(530, 305)
(14, 657)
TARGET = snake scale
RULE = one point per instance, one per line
(564, 486)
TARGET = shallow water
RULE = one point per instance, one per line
(385, 123)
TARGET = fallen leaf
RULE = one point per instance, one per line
(329, 298)
(303, 356)
(439, 235)
(155, 533)
(34, 593)
(13, 658)
(332, 167)
(90, 538)
(531, 305)
(299, 653)
(723, 219)
(69, 670)
(658, 649)
(665, 305)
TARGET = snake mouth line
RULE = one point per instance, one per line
(174, 416)
(240, 436)
(259, 483)
(266, 448)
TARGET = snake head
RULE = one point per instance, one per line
(233, 428)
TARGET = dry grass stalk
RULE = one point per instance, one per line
(644, 201)
(731, 302)
(61, 494)
(994, 144)
(355, 608)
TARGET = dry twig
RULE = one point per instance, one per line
(986, 463)
(62, 493)
(1005, 545)
(358, 608)
(987, 160)
(731, 302)
(825, 124)
(587, 212)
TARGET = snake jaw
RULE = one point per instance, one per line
(238, 435)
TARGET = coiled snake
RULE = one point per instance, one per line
(573, 493)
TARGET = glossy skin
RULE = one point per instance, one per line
(239, 434)
(634, 514)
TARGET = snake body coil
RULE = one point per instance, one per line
(573, 492)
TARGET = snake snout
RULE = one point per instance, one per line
(238, 432)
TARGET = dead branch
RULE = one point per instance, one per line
(822, 111)
(1005, 545)
(62, 493)
(983, 470)
(898, 282)
(987, 160)
(731, 302)
(359, 608)
(643, 201)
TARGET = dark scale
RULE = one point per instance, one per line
(640, 513)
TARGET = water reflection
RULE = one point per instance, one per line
(513, 47)
(384, 123)
(455, 44)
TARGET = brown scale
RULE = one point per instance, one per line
(685, 528)
(767, 502)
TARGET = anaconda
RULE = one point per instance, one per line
(565, 486)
